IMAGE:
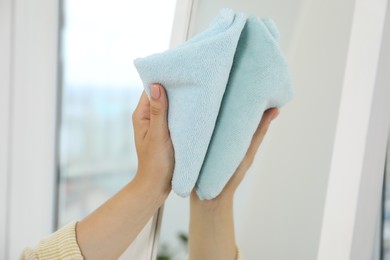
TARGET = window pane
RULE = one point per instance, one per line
(100, 89)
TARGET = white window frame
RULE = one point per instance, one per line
(29, 74)
(356, 176)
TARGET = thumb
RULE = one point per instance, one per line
(158, 111)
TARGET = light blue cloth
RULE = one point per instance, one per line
(218, 84)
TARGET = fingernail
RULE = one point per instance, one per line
(155, 91)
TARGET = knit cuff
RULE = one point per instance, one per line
(239, 255)
(60, 245)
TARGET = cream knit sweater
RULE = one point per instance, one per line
(60, 245)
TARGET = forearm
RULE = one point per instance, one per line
(110, 229)
(211, 234)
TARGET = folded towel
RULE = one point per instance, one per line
(259, 79)
(194, 75)
(218, 84)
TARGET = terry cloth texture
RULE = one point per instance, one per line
(218, 83)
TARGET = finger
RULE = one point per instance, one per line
(141, 118)
(141, 112)
(158, 112)
(261, 130)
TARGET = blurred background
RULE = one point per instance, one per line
(100, 90)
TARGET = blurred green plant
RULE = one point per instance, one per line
(167, 252)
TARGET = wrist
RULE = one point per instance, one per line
(149, 189)
(222, 202)
(211, 228)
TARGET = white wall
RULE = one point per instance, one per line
(279, 206)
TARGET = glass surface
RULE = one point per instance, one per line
(100, 89)
(285, 189)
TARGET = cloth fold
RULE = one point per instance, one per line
(218, 84)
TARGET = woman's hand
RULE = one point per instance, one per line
(111, 228)
(211, 235)
(153, 142)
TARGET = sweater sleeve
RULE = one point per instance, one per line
(60, 245)
(239, 256)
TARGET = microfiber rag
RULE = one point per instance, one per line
(218, 84)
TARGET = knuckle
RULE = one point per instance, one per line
(154, 110)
